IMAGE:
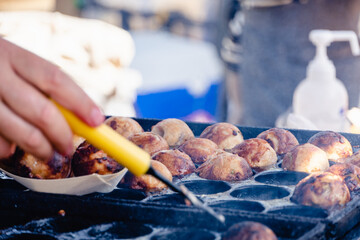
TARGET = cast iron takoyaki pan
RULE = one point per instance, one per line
(264, 198)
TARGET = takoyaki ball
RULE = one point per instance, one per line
(353, 159)
(305, 158)
(280, 140)
(178, 163)
(150, 142)
(323, 189)
(27, 165)
(257, 152)
(87, 159)
(125, 126)
(174, 131)
(334, 144)
(349, 173)
(249, 230)
(199, 149)
(225, 166)
(147, 182)
(225, 135)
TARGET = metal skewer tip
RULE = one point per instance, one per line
(196, 202)
(186, 193)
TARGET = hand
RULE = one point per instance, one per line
(28, 118)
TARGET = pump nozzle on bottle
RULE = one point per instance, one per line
(321, 67)
(323, 38)
(321, 97)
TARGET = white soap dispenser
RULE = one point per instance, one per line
(321, 98)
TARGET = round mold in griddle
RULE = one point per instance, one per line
(207, 186)
(239, 205)
(299, 210)
(11, 185)
(180, 234)
(260, 192)
(124, 193)
(281, 177)
(119, 230)
(29, 236)
(169, 198)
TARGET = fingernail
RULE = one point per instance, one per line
(70, 149)
(12, 148)
(96, 116)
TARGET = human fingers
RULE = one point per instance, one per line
(29, 138)
(54, 83)
(31, 105)
(6, 148)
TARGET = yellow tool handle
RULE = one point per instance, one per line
(116, 146)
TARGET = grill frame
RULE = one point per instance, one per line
(14, 201)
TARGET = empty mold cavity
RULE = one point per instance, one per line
(260, 192)
(119, 230)
(207, 186)
(170, 198)
(281, 177)
(239, 205)
(299, 210)
(125, 193)
(28, 236)
(193, 234)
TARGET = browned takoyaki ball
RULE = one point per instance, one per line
(125, 126)
(349, 173)
(305, 158)
(150, 142)
(177, 162)
(280, 140)
(249, 230)
(174, 131)
(199, 149)
(323, 189)
(225, 135)
(257, 152)
(147, 182)
(87, 159)
(353, 159)
(225, 166)
(334, 144)
(27, 165)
